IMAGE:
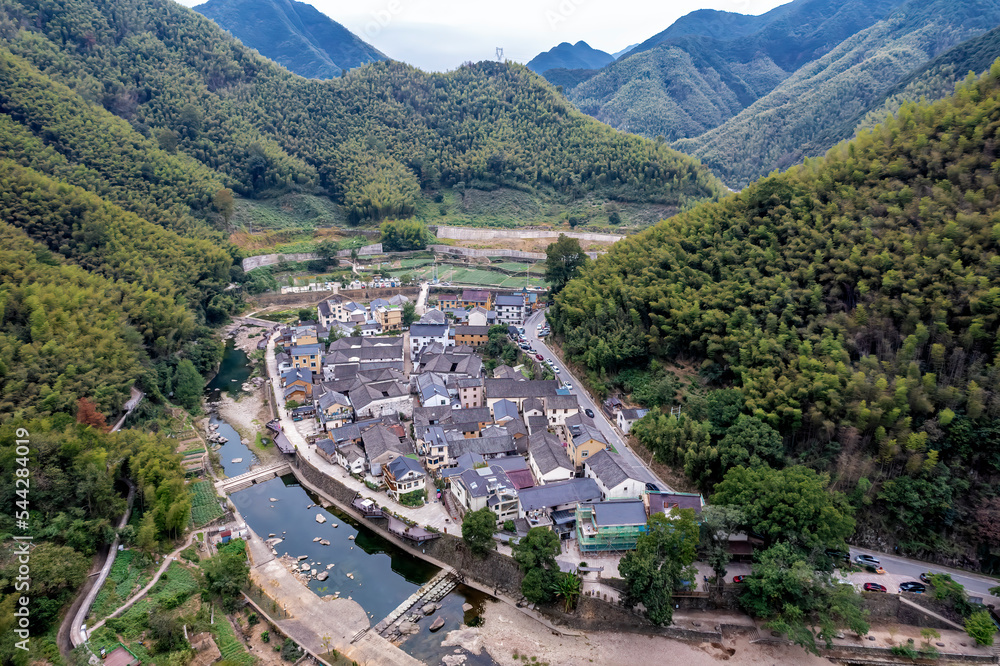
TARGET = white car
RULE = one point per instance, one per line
(568, 387)
(555, 369)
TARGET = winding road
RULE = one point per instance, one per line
(608, 429)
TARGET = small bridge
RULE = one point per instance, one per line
(370, 509)
(248, 479)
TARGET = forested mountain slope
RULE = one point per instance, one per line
(293, 34)
(372, 139)
(570, 56)
(853, 302)
(709, 65)
(934, 80)
(805, 114)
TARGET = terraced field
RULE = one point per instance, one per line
(204, 503)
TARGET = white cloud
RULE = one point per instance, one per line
(442, 34)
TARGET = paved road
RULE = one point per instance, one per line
(421, 304)
(903, 568)
(586, 402)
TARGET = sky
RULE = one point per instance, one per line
(440, 35)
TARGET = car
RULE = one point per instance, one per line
(913, 587)
(926, 577)
(875, 587)
(555, 369)
(739, 579)
(568, 386)
(869, 560)
(521, 330)
(589, 412)
(539, 357)
(652, 487)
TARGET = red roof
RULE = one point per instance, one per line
(120, 657)
(521, 478)
(225, 533)
(475, 296)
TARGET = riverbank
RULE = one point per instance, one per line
(509, 635)
(248, 416)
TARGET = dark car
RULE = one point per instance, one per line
(739, 579)
(589, 412)
(913, 587)
(652, 487)
(875, 587)
(926, 577)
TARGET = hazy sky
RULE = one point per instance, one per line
(442, 34)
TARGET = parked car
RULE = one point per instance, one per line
(739, 579)
(568, 386)
(926, 577)
(869, 560)
(913, 587)
(539, 357)
(589, 412)
(555, 369)
(520, 330)
(875, 587)
(652, 487)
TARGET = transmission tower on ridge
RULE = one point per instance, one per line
(499, 54)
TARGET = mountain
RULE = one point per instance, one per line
(570, 56)
(850, 304)
(933, 81)
(619, 54)
(808, 112)
(710, 65)
(293, 34)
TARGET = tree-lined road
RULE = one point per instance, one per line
(976, 585)
(586, 402)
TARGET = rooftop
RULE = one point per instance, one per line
(612, 513)
(548, 452)
(559, 493)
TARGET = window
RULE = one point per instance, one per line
(585, 454)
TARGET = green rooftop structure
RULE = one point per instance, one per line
(611, 525)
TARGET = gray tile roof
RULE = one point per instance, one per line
(504, 409)
(612, 469)
(401, 465)
(533, 404)
(306, 350)
(331, 398)
(432, 316)
(509, 300)
(559, 493)
(486, 446)
(585, 433)
(660, 501)
(508, 388)
(472, 330)
(548, 452)
(379, 441)
(486, 481)
(537, 424)
(562, 402)
(614, 513)
(633, 414)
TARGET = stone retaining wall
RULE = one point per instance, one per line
(593, 614)
(465, 233)
(251, 263)
(889, 608)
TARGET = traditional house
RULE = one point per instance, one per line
(468, 391)
(616, 478)
(483, 487)
(509, 373)
(510, 309)
(627, 417)
(664, 502)
(586, 441)
(307, 356)
(450, 364)
(610, 526)
(472, 298)
(560, 407)
(403, 475)
(333, 409)
(466, 422)
(381, 446)
(517, 392)
(474, 336)
(492, 443)
(503, 411)
(422, 335)
(284, 362)
(517, 470)
(432, 444)
(554, 504)
(331, 311)
(547, 458)
(299, 380)
(432, 390)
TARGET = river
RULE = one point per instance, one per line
(382, 575)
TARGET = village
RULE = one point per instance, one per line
(417, 417)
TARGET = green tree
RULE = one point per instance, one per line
(786, 589)
(227, 573)
(566, 586)
(536, 554)
(750, 442)
(404, 235)
(224, 203)
(980, 627)
(718, 522)
(478, 528)
(409, 313)
(563, 261)
(660, 563)
(189, 386)
(792, 504)
(146, 540)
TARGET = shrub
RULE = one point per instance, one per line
(980, 627)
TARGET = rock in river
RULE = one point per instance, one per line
(322, 575)
(429, 609)
(437, 624)
(320, 518)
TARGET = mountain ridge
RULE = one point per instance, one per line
(293, 34)
(570, 56)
